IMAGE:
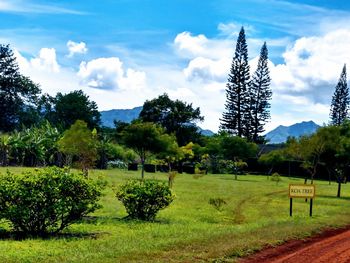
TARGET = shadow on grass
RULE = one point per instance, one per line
(333, 197)
(19, 236)
(126, 220)
(238, 180)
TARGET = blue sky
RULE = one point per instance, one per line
(123, 52)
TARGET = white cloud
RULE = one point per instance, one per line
(205, 69)
(76, 48)
(312, 66)
(302, 86)
(45, 71)
(189, 46)
(108, 74)
(46, 60)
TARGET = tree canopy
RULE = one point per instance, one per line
(340, 100)
(80, 142)
(18, 94)
(146, 138)
(237, 96)
(176, 117)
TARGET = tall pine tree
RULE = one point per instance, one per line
(237, 94)
(340, 100)
(18, 94)
(260, 94)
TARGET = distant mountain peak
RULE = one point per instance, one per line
(281, 133)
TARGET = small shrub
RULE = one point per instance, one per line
(46, 200)
(276, 177)
(143, 200)
(217, 203)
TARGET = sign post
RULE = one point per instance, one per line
(301, 191)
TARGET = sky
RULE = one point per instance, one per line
(123, 52)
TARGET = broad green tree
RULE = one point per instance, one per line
(272, 159)
(81, 142)
(237, 95)
(146, 138)
(176, 117)
(340, 100)
(74, 106)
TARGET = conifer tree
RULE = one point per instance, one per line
(260, 94)
(18, 93)
(340, 100)
(237, 95)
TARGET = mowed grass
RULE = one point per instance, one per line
(190, 229)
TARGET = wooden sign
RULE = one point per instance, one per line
(301, 191)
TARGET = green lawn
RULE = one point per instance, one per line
(256, 213)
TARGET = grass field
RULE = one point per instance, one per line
(256, 214)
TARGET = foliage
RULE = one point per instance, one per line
(260, 94)
(217, 203)
(143, 199)
(340, 100)
(272, 159)
(79, 141)
(146, 138)
(276, 177)
(234, 147)
(47, 200)
(109, 151)
(4, 149)
(223, 147)
(175, 116)
(65, 109)
(35, 146)
(237, 96)
(190, 225)
(18, 94)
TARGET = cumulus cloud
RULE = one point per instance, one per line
(45, 70)
(312, 66)
(190, 46)
(46, 60)
(76, 48)
(108, 74)
(205, 69)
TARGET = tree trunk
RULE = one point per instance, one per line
(142, 168)
(339, 188)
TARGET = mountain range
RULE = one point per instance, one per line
(128, 115)
(281, 133)
(278, 135)
(124, 115)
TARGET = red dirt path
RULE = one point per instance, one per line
(331, 246)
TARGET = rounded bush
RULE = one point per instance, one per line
(143, 199)
(46, 200)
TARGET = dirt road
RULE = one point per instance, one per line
(330, 247)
